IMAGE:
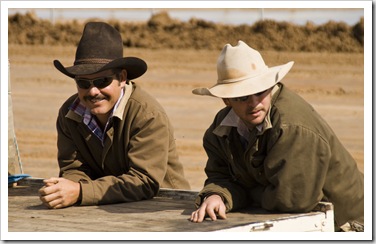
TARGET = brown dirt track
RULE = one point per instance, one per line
(332, 82)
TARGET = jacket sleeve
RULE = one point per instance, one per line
(148, 156)
(295, 168)
(220, 179)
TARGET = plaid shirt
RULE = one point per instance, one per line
(89, 119)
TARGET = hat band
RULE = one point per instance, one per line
(92, 61)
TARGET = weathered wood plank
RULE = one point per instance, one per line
(168, 212)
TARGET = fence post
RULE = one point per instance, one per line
(13, 154)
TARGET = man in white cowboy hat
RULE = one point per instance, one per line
(269, 148)
(115, 141)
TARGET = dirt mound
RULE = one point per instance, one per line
(161, 31)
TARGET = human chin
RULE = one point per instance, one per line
(99, 110)
(255, 119)
(99, 106)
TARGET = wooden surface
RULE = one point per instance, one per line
(169, 212)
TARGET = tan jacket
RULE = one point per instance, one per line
(138, 157)
(292, 166)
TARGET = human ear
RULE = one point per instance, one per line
(123, 75)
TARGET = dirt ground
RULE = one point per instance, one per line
(333, 83)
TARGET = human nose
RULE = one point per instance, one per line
(92, 90)
(252, 101)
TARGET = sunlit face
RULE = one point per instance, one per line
(251, 109)
(101, 100)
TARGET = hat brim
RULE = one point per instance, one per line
(247, 86)
(135, 67)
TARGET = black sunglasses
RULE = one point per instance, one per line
(245, 98)
(97, 82)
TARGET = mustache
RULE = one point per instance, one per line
(97, 97)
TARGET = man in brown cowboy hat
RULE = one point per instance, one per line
(115, 142)
(269, 148)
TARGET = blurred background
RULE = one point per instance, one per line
(331, 30)
(235, 16)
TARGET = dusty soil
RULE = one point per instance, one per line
(333, 83)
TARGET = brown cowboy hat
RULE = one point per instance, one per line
(101, 48)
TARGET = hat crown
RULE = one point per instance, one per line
(100, 43)
(101, 48)
(238, 63)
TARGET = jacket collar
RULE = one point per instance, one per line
(119, 112)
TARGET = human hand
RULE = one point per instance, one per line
(59, 192)
(212, 206)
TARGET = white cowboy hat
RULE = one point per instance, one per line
(241, 72)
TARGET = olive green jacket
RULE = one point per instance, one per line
(138, 156)
(289, 168)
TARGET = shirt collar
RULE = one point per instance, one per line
(233, 120)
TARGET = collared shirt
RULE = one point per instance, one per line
(89, 119)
